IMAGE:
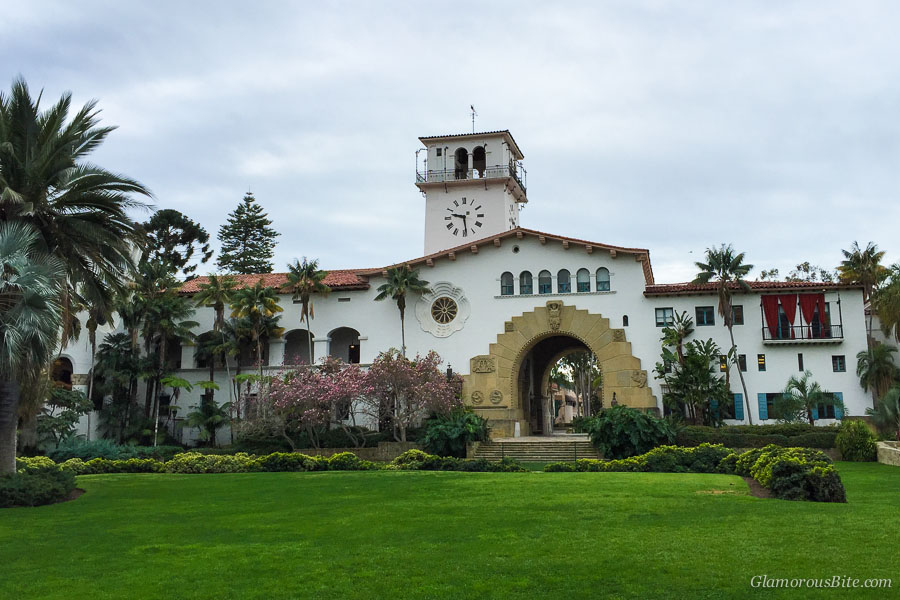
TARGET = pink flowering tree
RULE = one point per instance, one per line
(313, 398)
(406, 391)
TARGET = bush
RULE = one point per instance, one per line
(416, 460)
(559, 467)
(193, 462)
(286, 462)
(796, 474)
(664, 459)
(758, 436)
(448, 435)
(36, 481)
(86, 450)
(620, 432)
(856, 442)
(347, 461)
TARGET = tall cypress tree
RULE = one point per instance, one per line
(248, 240)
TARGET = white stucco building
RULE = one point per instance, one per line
(508, 301)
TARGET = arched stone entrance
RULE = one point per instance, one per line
(495, 387)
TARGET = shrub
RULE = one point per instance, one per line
(448, 435)
(416, 460)
(620, 432)
(347, 461)
(286, 462)
(86, 450)
(728, 464)
(559, 467)
(856, 442)
(796, 473)
(35, 482)
(193, 462)
(411, 459)
(758, 436)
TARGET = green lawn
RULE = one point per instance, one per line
(445, 535)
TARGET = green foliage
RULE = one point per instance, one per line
(416, 460)
(248, 240)
(791, 473)
(757, 436)
(172, 240)
(856, 442)
(60, 415)
(36, 481)
(291, 461)
(448, 435)
(620, 432)
(78, 448)
(193, 462)
(208, 417)
(693, 379)
(347, 461)
(101, 466)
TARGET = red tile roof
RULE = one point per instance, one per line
(343, 279)
(476, 134)
(756, 286)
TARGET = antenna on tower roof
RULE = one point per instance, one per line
(474, 114)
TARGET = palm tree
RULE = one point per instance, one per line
(863, 267)
(728, 269)
(30, 319)
(886, 304)
(256, 304)
(402, 281)
(217, 293)
(886, 413)
(676, 333)
(305, 279)
(208, 417)
(876, 369)
(802, 394)
(79, 211)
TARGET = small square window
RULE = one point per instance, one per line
(839, 363)
(665, 317)
(737, 315)
(800, 361)
(761, 361)
(742, 362)
(826, 411)
(440, 151)
(723, 363)
(706, 315)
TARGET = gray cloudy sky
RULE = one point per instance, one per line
(670, 126)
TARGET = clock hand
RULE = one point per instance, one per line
(463, 217)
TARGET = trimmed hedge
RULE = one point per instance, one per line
(36, 481)
(416, 460)
(790, 473)
(85, 450)
(759, 436)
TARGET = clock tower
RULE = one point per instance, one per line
(473, 185)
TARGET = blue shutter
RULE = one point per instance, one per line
(838, 413)
(815, 413)
(739, 407)
(763, 409)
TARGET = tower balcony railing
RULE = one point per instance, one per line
(514, 170)
(797, 334)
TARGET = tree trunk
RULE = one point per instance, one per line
(162, 364)
(9, 420)
(741, 375)
(402, 333)
(309, 340)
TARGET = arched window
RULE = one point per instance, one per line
(506, 284)
(602, 279)
(525, 283)
(563, 281)
(545, 282)
(624, 320)
(583, 278)
(461, 163)
(479, 160)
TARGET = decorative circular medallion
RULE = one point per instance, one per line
(477, 397)
(496, 397)
(443, 310)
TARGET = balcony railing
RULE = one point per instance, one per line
(514, 170)
(804, 333)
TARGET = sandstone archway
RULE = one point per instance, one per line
(492, 387)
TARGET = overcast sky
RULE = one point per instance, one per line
(670, 126)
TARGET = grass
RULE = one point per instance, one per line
(437, 535)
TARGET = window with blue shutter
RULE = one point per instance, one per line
(763, 407)
(815, 413)
(838, 413)
(739, 407)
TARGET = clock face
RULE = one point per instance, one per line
(464, 217)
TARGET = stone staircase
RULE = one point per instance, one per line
(561, 447)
